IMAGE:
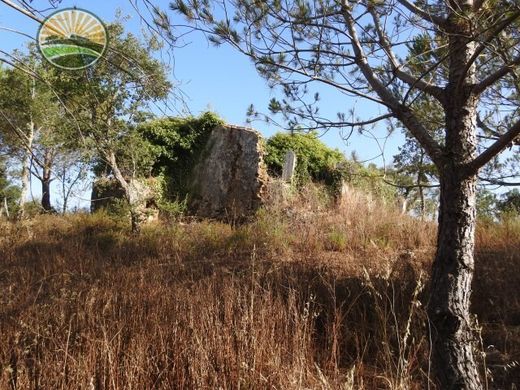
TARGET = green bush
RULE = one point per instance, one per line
(318, 162)
(9, 192)
(370, 180)
(315, 160)
(171, 210)
(32, 208)
(510, 203)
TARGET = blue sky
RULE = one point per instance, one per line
(219, 79)
(216, 78)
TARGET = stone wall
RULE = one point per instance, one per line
(105, 192)
(227, 182)
(229, 179)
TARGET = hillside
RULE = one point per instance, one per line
(306, 295)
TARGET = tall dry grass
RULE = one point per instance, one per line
(306, 296)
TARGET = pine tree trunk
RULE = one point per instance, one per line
(453, 340)
(453, 337)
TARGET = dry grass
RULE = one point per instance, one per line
(304, 297)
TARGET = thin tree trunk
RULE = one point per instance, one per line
(67, 190)
(64, 191)
(423, 203)
(24, 176)
(5, 208)
(131, 195)
(46, 180)
(46, 193)
(420, 181)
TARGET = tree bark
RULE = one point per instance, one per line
(422, 202)
(4, 208)
(24, 176)
(131, 195)
(46, 180)
(421, 179)
(453, 338)
(453, 341)
(64, 191)
(46, 192)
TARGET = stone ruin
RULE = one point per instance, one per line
(107, 191)
(281, 190)
(228, 181)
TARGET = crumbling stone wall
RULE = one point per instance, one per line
(229, 179)
(107, 192)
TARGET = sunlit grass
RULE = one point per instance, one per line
(302, 296)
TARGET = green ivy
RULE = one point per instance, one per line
(177, 144)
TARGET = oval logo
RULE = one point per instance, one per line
(72, 39)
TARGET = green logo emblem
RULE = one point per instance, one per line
(72, 39)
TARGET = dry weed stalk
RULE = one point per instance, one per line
(279, 303)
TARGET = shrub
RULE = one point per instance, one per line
(315, 160)
(318, 162)
(509, 205)
(171, 210)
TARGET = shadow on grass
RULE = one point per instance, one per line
(156, 295)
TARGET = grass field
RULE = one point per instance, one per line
(303, 297)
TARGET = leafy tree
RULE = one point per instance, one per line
(413, 162)
(71, 171)
(315, 160)
(95, 109)
(412, 159)
(356, 48)
(108, 100)
(34, 120)
(29, 119)
(9, 193)
(510, 202)
(486, 204)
